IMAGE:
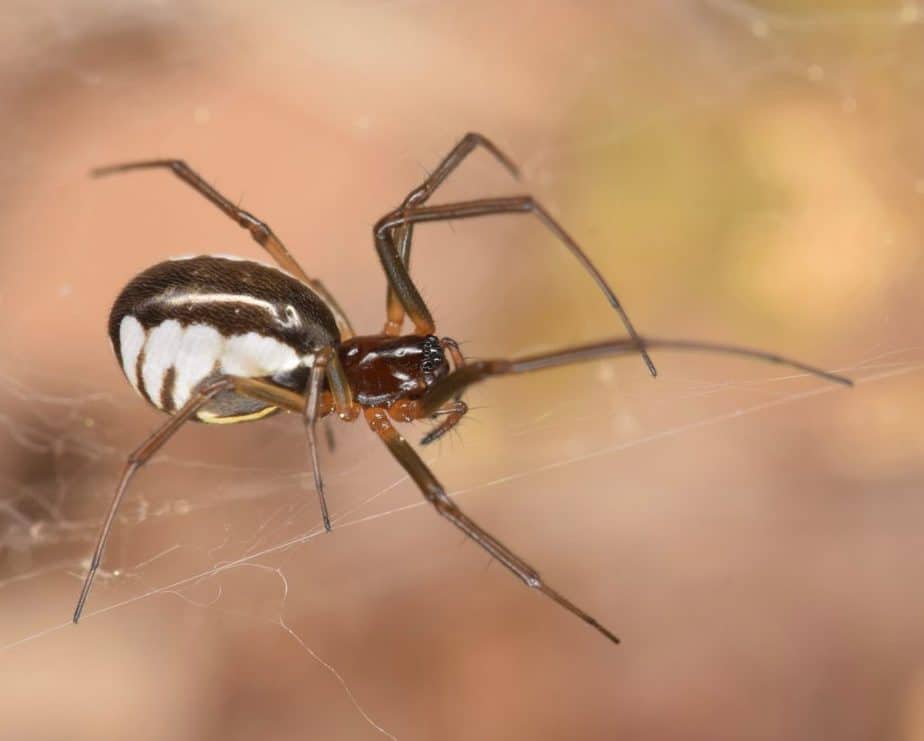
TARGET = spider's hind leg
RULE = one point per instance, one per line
(138, 457)
(310, 406)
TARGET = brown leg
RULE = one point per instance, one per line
(340, 390)
(312, 403)
(451, 386)
(259, 230)
(279, 396)
(400, 281)
(417, 197)
(137, 459)
(311, 407)
(435, 494)
(252, 387)
(329, 436)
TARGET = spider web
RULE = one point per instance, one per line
(220, 534)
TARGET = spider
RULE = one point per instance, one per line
(223, 340)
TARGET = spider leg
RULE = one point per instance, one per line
(138, 458)
(311, 406)
(435, 494)
(402, 235)
(315, 382)
(329, 436)
(259, 230)
(400, 281)
(457, 381)
(340, 389)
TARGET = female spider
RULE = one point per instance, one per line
(224, 340)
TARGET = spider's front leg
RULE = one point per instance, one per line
(402, 235)
(453, 385)
(400, 281)
(435, 494)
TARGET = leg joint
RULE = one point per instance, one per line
(387, 222)
(258, 229)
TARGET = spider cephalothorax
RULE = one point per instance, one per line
(383, 369)
(225, 340)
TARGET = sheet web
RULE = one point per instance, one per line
(63, 430)
(65, 451)
(42, 540)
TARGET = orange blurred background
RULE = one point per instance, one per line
(742, 172)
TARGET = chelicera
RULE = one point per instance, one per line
(224, 340)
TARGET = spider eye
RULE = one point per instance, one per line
(432, 353)
(432, 350)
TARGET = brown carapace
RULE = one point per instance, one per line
(224, 340)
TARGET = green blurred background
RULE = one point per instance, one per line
(749, 172)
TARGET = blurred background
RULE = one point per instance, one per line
(741, 171)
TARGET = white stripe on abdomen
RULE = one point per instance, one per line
(194, 353)
(197, 357)
(254, 355)
(131, 340)
(160, 352)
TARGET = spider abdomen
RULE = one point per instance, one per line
(184, 321)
